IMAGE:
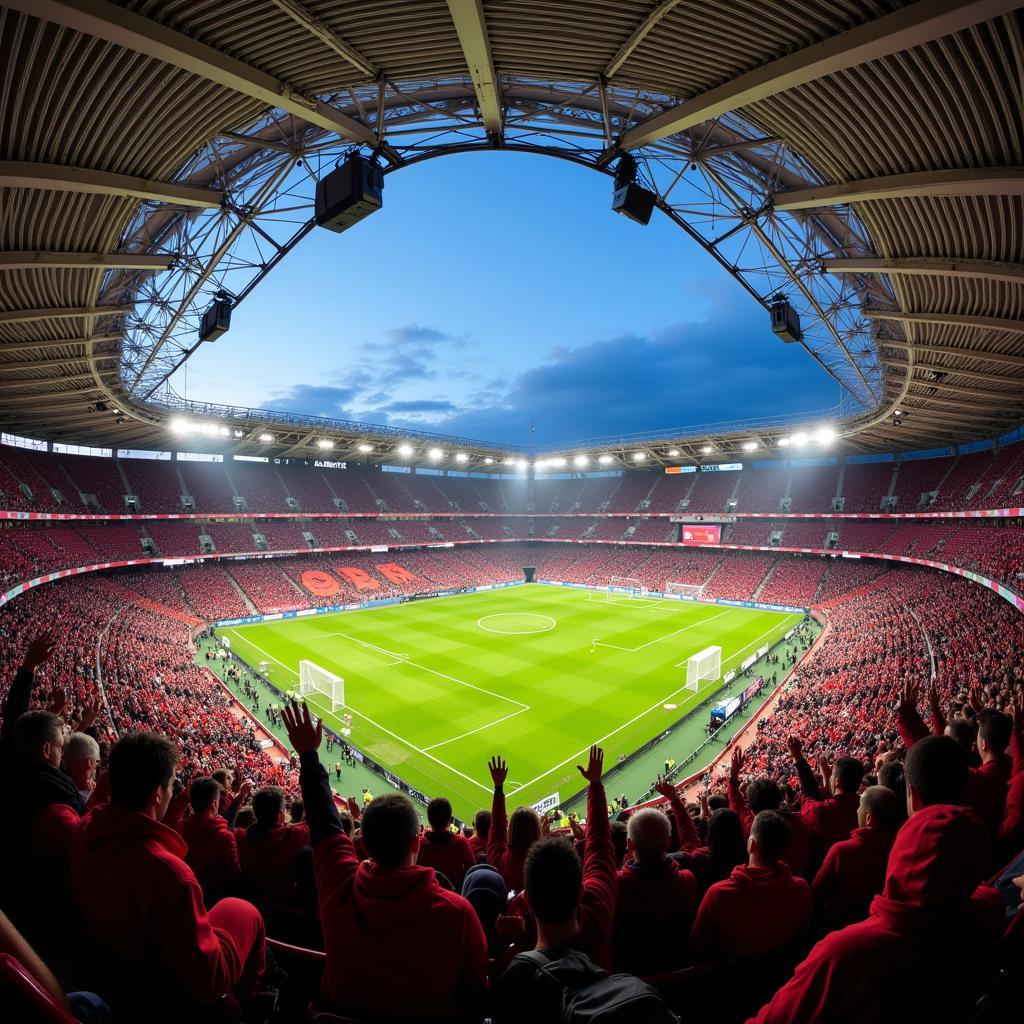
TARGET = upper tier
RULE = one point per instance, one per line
(34, 481)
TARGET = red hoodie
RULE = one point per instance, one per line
(212, 853)
(798, 852)
(383, 925)
(268, 857)
(926, 947)
(754, 910)
(852, 875)
(448, 853)
(142, 901)
(509, 863)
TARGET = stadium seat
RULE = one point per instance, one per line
(24, 1000)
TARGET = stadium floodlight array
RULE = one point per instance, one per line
(695, 590)
(619, 585)
(315, 679)
(705, 665)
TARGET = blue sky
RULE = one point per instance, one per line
(497, 289)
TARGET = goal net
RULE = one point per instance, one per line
(707, 664)
(619, 585)
(314, 679)
(685, 589)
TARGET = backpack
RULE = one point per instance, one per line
(590, 995)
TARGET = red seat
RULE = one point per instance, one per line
(25, 999)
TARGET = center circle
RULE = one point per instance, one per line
(516, 623)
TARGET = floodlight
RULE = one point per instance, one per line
(461, 457)
(237, 433)
(325, 443)
(639, 456)
(208, 429)
(266, 438)
(706, 450)
(557, 462)
(540, 464)
(364, 447)
(521, 464)
(673, 453)
(824, 436)
(404, 450)
(223, 432)
(180, 426)
(605, 459)
(800, 438)
(488, 460)
(750, 446)
(509, 462)
(581, 460)
(784, 442)
(435, 454)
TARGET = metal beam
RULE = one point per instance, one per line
(959, 353)
(58, 178)
(84, 260)
(22, 316)
(968, 181)
(1001, 398)
(988, 323)
(45, 364)
(471, 26)
(989, 270)
(35, 346)
(914, 25)
(992, 378)
(330, 39)
(638, 36)
(122, 27)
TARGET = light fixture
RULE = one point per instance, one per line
(405, 450)
(237, 433)
(784, 442)
(461, 457)
(605, 460)
(223, 432)
(521, 464)
(435, 454)
(800, 438)
(266, 438)
(558, 462)
(364, 447)
(488, 460)
(325, 443)
(750, 446)
(898, 412)
(180, 426)
(540, 464)
(825, 435)
(706, 450)
(639, 456)
(673, 453)
(580, 460)
(509, 462)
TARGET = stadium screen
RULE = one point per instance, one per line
(702, 534)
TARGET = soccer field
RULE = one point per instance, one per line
(534, 673)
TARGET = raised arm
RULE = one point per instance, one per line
(808, 782)
(19, 696)
(599, 877)
(305, 736)
(938, 718)
(737, 801)
(689, 837)
(497, 838)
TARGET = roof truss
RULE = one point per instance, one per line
(471, 26)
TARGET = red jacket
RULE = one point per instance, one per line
(212, 853)
(378, 922)
(448, 853)
(267, 858)
(754, 910)
(478, 846)
(508, 862)
(798, 853)
(656, 905)
(852, 875)
(141, 900)
(926, 946)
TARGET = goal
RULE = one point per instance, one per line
(314, 679)
(707, 664)
(695, 590)
(619, 585)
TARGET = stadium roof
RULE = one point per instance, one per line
(864, 159)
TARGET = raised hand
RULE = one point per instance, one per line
(90, 712)
(976, 697)
(592, 773)
(40, 647)
(244, 792)
(353, 808)
(545, 825)
(665, 788)
(57, 702)
(736, 765)
(908, 695)
(826, 762)
(304, 733)
(795, 747)
(499, 771)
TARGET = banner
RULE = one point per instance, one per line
(549, 803)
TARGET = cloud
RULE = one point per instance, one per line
(315, 400)
(421, 405)
(418, 333)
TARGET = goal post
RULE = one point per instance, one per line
(703, 666)
(628, 585)
(694, 590)
(313, 678)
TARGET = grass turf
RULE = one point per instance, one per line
(436, 687)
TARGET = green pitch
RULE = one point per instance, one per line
(534, 673)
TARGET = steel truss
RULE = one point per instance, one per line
(716, 181)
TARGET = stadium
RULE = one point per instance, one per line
(306, 718)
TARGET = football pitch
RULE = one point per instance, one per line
(533, 673)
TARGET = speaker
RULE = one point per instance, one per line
(216, 320)
(529, 573)
(785, 320)
(634, 201)
(349, 193)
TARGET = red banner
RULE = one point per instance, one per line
(701, 534)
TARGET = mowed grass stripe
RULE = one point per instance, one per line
(438, 734)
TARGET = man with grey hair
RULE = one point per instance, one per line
(657, 899)
(81, 758)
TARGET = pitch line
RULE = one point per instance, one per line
(753, 643)
(658, 640)
(433, 671)
(653, 707)
(480, 728)
(404, 742)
